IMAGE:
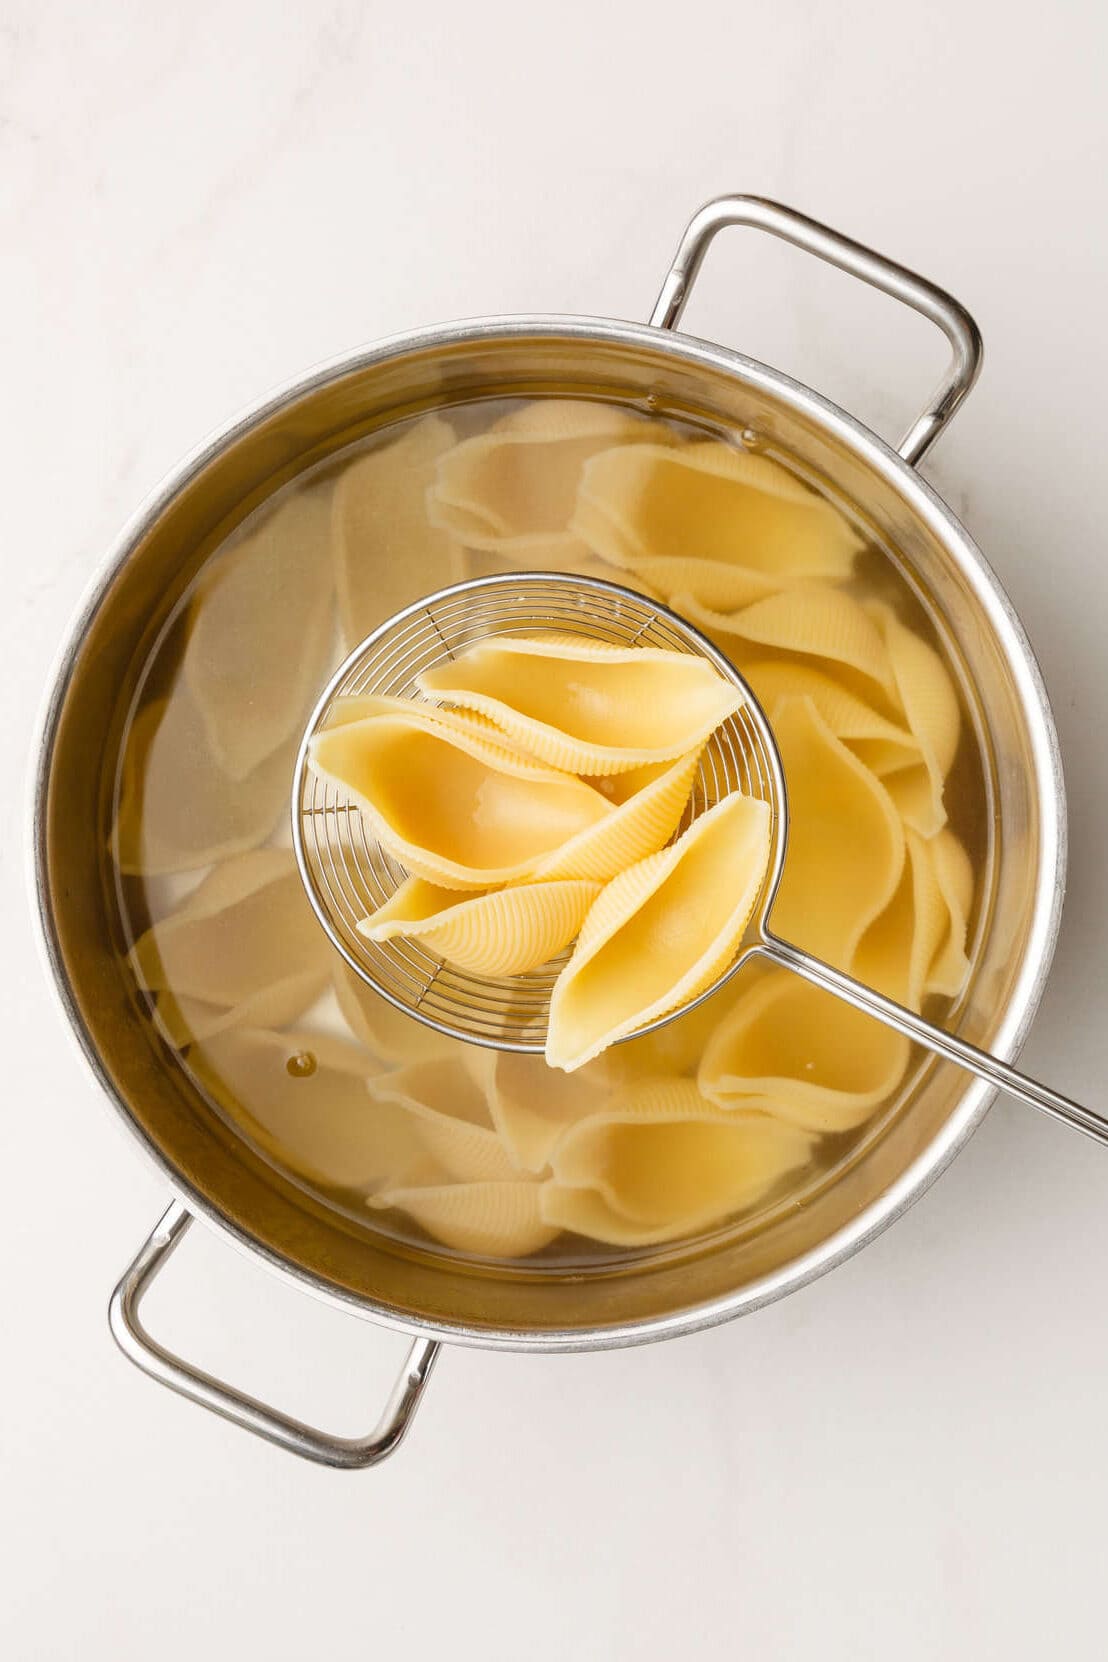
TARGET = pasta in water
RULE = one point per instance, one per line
(660, 932)
(585, 706)
(242, 950)
(535, 792)
(664, 1162)
(384, 544)
(512, 491)
(275, 581)
(711, 521)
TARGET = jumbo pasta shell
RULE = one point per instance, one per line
(642, 821)
(825, 624)
(511, 492)
(586, 706)
(664, 1162)
(178, 809)
(453, 807)
(794, 1051)
(927, 695)
(244, 945)
(661, 932)
(846, 843)
(532, 1105)
(390, 1034)
(883, 745)
(509, 932)
(451, 1116)
(262, 623)
(725, 525)
(490, 1220)
(385, 549)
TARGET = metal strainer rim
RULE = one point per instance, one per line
(763, 746)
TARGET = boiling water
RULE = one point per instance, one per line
(325, 1080)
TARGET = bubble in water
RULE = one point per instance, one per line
(302, 1065)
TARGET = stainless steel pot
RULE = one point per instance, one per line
(221, 1179)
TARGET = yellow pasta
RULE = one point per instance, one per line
(663, 1163)
(711, 521)
(825, 624)
(846, 845)
(926, 694)
(508, 932)
(790, 1050)
(530, 788)
(244, 949)
(586, 706)
(949, 968)
(453, 807)
(642, 821)
(512, 491)
(272, 587)
(531, 1105)
(386, 552)
(883, 745)
(490, 1220)
(661, 932)
(452, 1119)
(391, 1034)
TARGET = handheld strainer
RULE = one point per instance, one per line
(347, 874)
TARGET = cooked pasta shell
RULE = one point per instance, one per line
(821, 623)
(531, 1105)
(512, 491)
(507, 932)
(918, 944)
(245, 943)
(643, 820)
(881, 744)
(661, 932)
(710, 520)
(261, 630)
(672, 1051)
(846, 844)
(452, 1119)
(926, 694)
(586, 706)
(791, 1050)
(664, 1162)
(178, 809)
(391, 1034)
(948, 969)
(314, 1117)
(185, 1019)
(452, 806)
(490, 1220)
(386, 550)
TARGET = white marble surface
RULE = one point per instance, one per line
(908, 1459)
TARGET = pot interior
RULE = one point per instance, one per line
(562, 1302)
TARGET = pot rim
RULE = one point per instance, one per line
(1050, 882)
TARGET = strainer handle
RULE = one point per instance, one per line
(936, 1039)
(873, 268)
(347, 1453)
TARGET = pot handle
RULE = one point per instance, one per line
(347, 1453)
(924, 297)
